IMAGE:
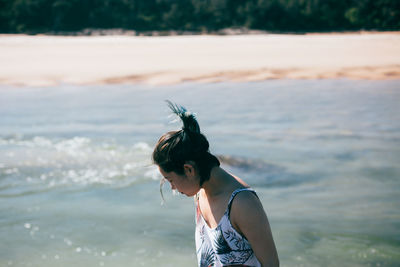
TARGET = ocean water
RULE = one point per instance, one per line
(77, 187)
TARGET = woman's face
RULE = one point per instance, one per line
(187, 183)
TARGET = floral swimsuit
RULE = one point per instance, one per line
(223, 245)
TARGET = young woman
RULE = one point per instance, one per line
(232, 228)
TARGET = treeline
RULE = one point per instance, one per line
(33, 16)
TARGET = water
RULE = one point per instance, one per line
(77, 186)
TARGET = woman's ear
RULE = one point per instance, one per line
(189, 168)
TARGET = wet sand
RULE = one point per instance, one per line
(50, 60)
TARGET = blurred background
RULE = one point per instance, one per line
(310, 121)
(198, 16)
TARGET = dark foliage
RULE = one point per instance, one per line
(207, 256)
(220, 244)
(30, 16)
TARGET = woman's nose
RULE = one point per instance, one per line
(172, 186)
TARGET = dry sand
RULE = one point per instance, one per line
(49, 60)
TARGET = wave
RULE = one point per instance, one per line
(31, 164)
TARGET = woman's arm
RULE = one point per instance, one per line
(249, 218)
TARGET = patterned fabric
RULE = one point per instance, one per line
(223, 245)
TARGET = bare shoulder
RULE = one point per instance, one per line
(250, 220)
(247, 212)
(246, 203)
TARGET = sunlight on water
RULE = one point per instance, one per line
(40, 163)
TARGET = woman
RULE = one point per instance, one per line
(232, 228)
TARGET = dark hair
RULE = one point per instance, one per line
(176, 148)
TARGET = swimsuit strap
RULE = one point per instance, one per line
(196, 199)
(228, 211)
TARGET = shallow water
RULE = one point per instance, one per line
(77, 186)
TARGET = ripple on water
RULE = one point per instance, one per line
(39, 164)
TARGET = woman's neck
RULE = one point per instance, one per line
(221, 182)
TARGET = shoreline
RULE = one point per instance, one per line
(93, 32)
(43, 60)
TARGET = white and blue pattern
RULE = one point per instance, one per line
(223, 245)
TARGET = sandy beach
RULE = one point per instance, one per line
(50, 60)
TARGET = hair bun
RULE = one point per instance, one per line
(175, 148)
(189, 119)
